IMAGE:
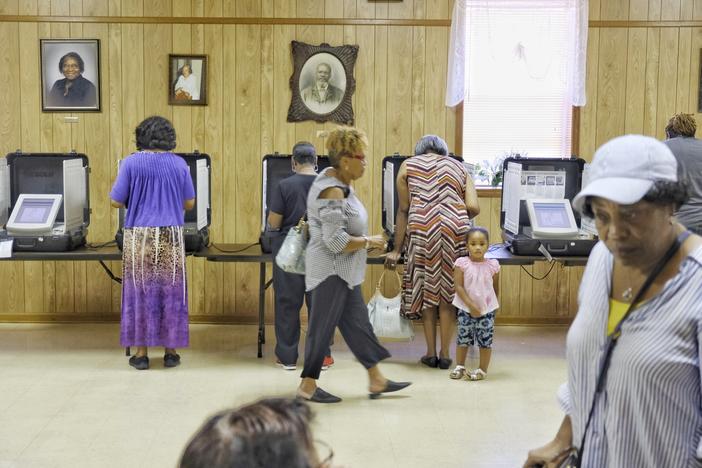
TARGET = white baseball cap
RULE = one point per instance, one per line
(625, 168)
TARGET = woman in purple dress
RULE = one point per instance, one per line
(155, 186)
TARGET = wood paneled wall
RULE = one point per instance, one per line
(399, 97)
(637, 77)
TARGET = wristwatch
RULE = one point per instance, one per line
(365, 238)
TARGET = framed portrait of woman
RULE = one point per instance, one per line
(322, 83)
(187, 80)
(70, 75)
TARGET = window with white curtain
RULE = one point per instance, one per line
(518, 95)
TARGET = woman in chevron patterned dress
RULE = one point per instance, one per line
(437, 199)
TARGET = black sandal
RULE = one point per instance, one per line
(430, 361)
(171, 360)
(139, 362)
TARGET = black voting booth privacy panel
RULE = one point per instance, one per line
(195, 239)
(42, 173)
(521, 244)
(277, 167)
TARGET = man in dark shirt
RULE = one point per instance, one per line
(288, 205)
(687, 149)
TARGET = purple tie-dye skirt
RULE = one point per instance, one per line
(154, 295)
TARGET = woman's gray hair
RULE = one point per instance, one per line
(431, 144)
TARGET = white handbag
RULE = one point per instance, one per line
(384, 315)
(291, 256)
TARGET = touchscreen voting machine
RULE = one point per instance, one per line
(277, 167)
(536, 216)
(44, 202)
(196, 233)
(391, 167)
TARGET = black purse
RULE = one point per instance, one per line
(574, 459)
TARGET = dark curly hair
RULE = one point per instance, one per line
(155, 133)
(681, 125)
(662, 192)
(74, 56)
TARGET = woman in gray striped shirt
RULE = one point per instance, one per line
(648, 412)
(336, 265)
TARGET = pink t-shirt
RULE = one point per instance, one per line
(477, 281)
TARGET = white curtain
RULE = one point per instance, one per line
(535, 55)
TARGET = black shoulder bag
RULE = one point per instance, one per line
(575, 459)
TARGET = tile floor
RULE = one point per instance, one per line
(69, 399)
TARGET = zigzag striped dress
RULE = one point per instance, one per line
(437, 225)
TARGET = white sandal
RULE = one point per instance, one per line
(458, 373)
(477, 374)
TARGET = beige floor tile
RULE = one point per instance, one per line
(69, 399)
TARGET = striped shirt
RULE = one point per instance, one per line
(331, 225)
(649, 413)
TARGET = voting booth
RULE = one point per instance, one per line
(276, 167)
(197, 221)
(44, 201)
(536, 214)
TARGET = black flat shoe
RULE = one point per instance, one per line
(445, 363)
(139, 362)
(171, 360)
(430, 361)
(389, 387)
(320, 396)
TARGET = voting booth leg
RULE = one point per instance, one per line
(261, 307)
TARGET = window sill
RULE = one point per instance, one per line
(488, 191)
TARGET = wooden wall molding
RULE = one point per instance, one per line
(239, 320)
(644, 24)
(222, 20)
(304, 21)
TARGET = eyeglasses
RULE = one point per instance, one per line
(324, 453)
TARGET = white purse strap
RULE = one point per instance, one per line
(380, 281)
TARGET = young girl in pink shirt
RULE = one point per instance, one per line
(476, 280)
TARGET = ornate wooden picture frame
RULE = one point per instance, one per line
(187, 80)
(322, 83)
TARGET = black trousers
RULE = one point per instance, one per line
(289, 294)
(334, 304)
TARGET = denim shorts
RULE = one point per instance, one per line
(472, 331)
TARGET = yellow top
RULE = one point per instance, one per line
(617, 310)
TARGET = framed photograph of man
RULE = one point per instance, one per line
(187, 78)
(322, 83)
(70, 75)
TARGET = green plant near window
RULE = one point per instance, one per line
(491, 172)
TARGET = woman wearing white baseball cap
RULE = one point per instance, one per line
(633, 395)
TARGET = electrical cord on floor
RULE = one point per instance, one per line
(553, 264)
(214, 246)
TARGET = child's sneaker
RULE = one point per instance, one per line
(458, 373)
(477, 374)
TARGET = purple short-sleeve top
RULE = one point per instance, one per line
(153, 186)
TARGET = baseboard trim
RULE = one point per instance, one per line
(234, 320)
